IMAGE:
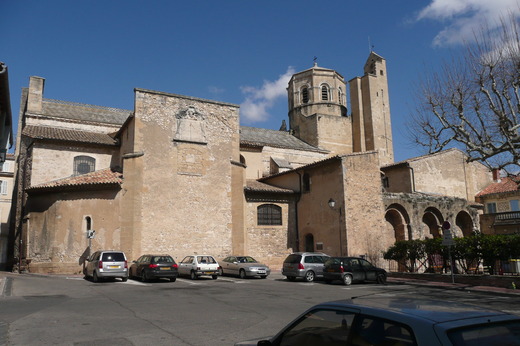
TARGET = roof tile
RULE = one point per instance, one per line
(102, 177)
(45, 132)
(506, 184)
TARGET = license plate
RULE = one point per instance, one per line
(113, 267)
(209, 273)
(165, 268)
(261, 272)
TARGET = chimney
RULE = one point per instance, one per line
(496, 175)
(34, 100)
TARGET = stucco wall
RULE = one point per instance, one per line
(51, 161)
(56, 229)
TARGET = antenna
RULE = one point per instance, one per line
(370, 46)
(315, 61)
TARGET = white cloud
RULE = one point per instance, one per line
(466, 17)
(259, 100)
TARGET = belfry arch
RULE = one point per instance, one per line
(397, 216)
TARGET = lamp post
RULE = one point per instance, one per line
(332, 204)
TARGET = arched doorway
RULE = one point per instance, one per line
(465, 223)
(433, 219)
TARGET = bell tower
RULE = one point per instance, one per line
(318, 111)
(372, 127)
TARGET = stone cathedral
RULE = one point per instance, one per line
(179, 175)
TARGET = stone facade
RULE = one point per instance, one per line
(6, 193)
(179, 175)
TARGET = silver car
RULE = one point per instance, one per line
(397, 321)
(306, 265)
(243, 266)
(197, 265)
(107, 264)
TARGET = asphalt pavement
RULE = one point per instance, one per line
(391, 280)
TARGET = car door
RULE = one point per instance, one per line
(358, 274)
(142, 264)
(319, 264)
(370, 270)
(185, 265)
(229, 266)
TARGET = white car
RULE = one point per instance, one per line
(397, 321)
(196, 265)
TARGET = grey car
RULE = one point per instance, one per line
(306, 265)
(397, 321)
(107, 264)
(243, 266)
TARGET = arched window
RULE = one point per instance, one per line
(269, 214)
(340, 96)
(84, 164)
(324, 93)
(305, 95)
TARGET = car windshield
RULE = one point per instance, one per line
(113, 257)
(490, 334)
(246, 259)
(162, 259)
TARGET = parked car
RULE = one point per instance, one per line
(196, 265)
(243, 266)
(352, 269)
(107, 264)
(306, 265)
(149, 267)
(390, 321)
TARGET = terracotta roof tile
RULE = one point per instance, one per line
(52, 133)
(99, 178)
(256, 186)
(506, 184)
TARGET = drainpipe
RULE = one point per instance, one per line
(298, 197)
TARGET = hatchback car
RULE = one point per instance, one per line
(196, 265)
(352, 269)
(149, 267)
(107, 264)
(243, 266)
(397, 321)
(306, 265)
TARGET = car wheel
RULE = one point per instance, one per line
(144, 276)
(173, 279)
(381, 279)
(291, 278)
(242, 274)
(95, 277)
(220, 272)
(347, 280)
(214, 277)
(193, 276)
(124, 279)
(309, 276)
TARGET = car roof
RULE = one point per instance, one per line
(155, 255)
(436, 311)
(310, 253)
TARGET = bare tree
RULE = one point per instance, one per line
(473, 102)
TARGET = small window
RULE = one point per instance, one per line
(491, 208)
(88, 223)
(513, 205)
(340, 96)
(269, 214)
(324, 93)
(3, 187)
(386, 182)
(84, 165)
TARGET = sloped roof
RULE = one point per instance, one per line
(253, 136)
(506, 184)
(84, 112)
(417, 158)
(256, 186)
(102, 178)
(60, 134)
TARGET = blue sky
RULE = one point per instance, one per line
(242, 52)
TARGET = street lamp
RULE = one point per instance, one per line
(332, 203)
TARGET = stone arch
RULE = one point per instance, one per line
(433, 219)
(464, 223)
(397, 216)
